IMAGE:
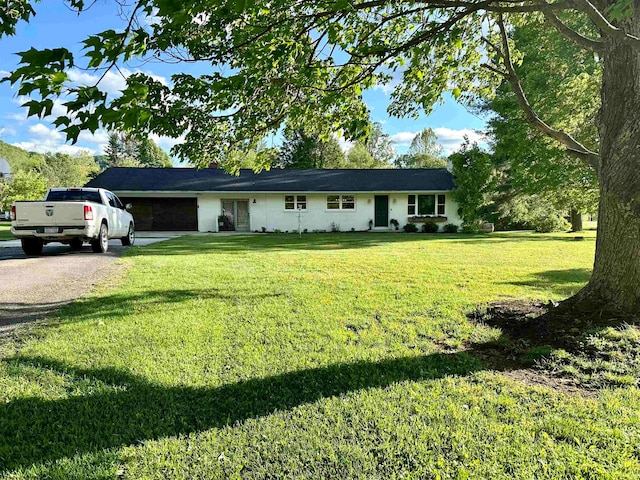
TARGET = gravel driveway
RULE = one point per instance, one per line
(31, 288)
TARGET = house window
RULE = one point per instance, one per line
(341, 202)
(295, 202)
(333, 202)
(348, 202)
(426, 204)
(441, 201)
(411, 210)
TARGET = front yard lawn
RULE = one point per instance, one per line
(5, 231)
(326, 356)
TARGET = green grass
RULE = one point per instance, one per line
(5, 231)
(326, 356)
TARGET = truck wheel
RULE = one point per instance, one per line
(32, 247)
(101, 244)
(130, 239)
(75, 243)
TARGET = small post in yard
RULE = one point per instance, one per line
(299, 221)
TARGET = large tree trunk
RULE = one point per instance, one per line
(576, 220)
(615, 282)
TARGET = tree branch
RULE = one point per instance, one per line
(603, 24)
(494, 69)
(487, 5)
(577, 38)
(122, 43)
(573, 146)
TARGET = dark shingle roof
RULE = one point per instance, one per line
(274, 180)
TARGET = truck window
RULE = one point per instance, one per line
(118, 202)
(74, 196)
(111, 198)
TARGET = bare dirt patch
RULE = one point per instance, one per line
(532, 330)
(550, 324)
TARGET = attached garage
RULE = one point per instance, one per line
(164, 214)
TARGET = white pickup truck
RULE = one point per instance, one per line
(72, 216)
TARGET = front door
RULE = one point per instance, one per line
(381, 211)
(237, 213)
(242, 215)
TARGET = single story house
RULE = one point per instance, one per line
(188, 199)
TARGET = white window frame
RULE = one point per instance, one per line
(437, 204)
(296, 202)
(443, 204)
(341, 201)
(414, 204)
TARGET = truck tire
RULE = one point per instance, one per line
(130, 239)
(32, 247)
(75, 243)
(101, 244)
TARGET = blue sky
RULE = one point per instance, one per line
(55, 25)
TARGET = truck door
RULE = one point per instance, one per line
(114, 216)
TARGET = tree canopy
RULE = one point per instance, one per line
(530, 164)
(424, 152)
(126, 150)
(305, 150)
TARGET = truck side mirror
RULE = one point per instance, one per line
(128, 207)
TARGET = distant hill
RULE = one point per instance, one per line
(18, 158)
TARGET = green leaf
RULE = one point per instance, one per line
(621, 10)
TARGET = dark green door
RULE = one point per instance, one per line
(382, 211)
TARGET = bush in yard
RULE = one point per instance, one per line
(450, 228)
(550, 223)
(429, 227)
(410, 228)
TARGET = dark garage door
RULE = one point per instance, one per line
(176, 214)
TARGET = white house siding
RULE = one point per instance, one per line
(268, 211)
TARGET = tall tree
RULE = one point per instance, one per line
(473, 172)
(285, 66)
(379, 145)
(62, 170)
(24, 185)
(305, 150)
(126, 150)
(533, 165)
(424, 152)
(249, 157)
(359, 156)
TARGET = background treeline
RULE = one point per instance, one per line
(34, 173)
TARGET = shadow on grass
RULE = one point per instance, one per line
(117, 305)
(121, 409)
(560, 282)
(331, 241)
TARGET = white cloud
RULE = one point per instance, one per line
(7, 131)
(113, 82)
(44, 139)
(451, 139)
(100, 137)
(4, 73)
(46, 135)
(402, 138)
(62, 148)
(166, 142)
(18, 117)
